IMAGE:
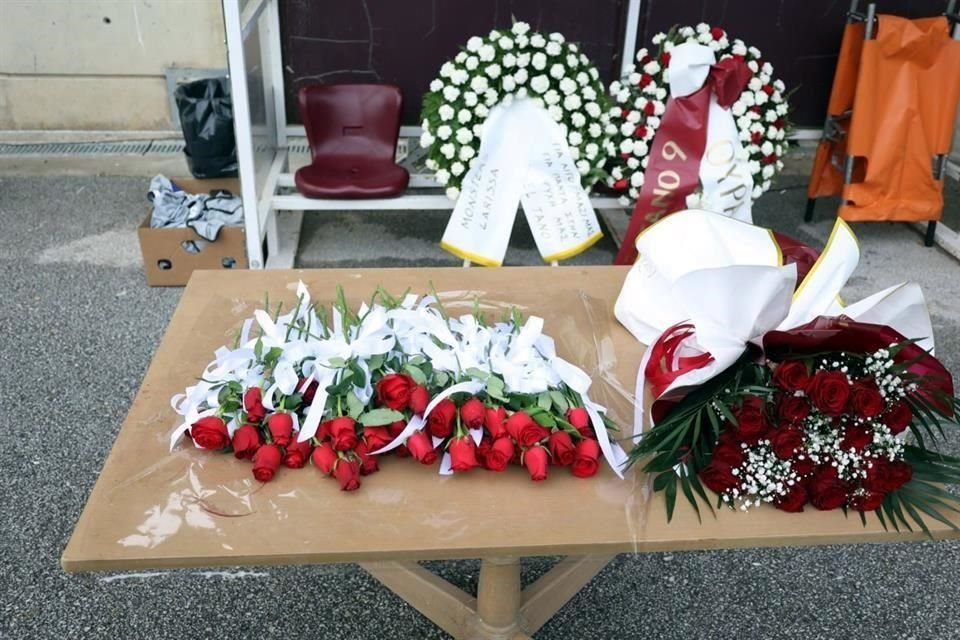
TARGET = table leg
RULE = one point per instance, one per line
(498, 599)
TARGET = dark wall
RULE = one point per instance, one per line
(405, 41)
(800, 38)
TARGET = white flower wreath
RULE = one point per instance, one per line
(761, 112)
(507, 65)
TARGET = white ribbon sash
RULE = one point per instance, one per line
(523, 159)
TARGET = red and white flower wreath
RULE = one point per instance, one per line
(761, 112)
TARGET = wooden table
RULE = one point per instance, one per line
(151, 509)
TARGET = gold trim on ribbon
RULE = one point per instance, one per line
(580, 248)
(466, 255)
(840, 223)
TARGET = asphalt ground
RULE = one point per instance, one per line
(78, 327)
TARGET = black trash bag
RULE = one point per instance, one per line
(206, 116)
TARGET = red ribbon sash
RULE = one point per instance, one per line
(673, 171)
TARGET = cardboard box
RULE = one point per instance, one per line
(166, 263)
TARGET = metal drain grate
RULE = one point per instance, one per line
(129, 147)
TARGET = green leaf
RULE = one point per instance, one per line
(354, 406)
(477, 374)
(544, 401)
(671, 494)
(544, 419)
(495, 388)
(441, 378)
(337, 362)
(687, 491)
(559, 400)
(379, 417)
(258, 348)
(416, 373)
(375, 362)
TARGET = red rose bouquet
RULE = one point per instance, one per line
(767, 390)
(398, 375)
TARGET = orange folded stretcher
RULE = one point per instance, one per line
(890, 118)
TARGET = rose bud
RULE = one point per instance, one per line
(419, 399)
(866, 501)
(791, 375)
(297, 454)
(309, 392)
(246, 441)
(473, 413)
(376, 437)
(751, 420)
(396, 428)
(266, 461)
(499, 455)
(343, 432)
(786, 441)
(829, 392)
(865, 399)
(535, 459)
(393, 391)
(580, 419)
(347, 473)
(585, 458)
(253, 404)
(561, 448)
(440, 420)
(280, 426)
(210, 433)
(368, 463)
(324, 457)
(794, 500)
(323, 431)
(421, 448)
(493, 420)
(525, 430)
(898, 418)
(463, 454)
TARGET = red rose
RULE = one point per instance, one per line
(463, 454)
(665, 58)
(401, 451)
(580, 419)
(751, 421)
(729, 453)
(884, 476)
(786, 441)
(309, 392)
(266, 461)
(473, 413)
(524, 430)
(343, 432)
(867, 501)
(561, 448)
(756, 137)
(649, 108)
(898, 418)
(210, 433)
(827, 492)
(323, 431)
(640, 132)
(498, 456)
(377, 437)
(865, 398)
(393, 390)
(856, 438)
(280, 426)
(483, 447)
(791, 375)
(794, 500)
(493, 420)
(396, 428)
(717, 33)
(585, 458)
(645, 79)
(324, 457)
(535, 460)
(802, 467)
(253, 404)
(297, 454)
(421, 448)
(246, 441)
(347, 473)
(368, 463)
(793, 408)
(620, 184)
(829, 391)
(718, 477)
(767, 89)
(440, 420)
(419, 399)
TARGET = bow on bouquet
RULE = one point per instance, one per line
(395, 375)
(697, 144)
(767, 390)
